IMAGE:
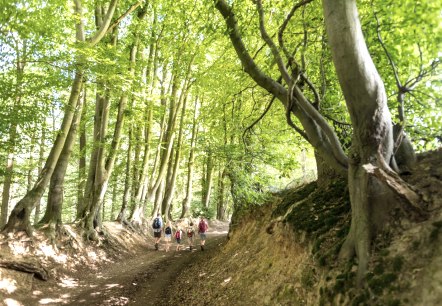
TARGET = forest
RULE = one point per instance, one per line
(119, 110)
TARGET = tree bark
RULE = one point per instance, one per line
(221, 203)
(105, 165)
(127, 181)
(20, 215)
(372, 128)
(170, 188)
(52, 216)
(190, 165)
(9, 169)
(169, 138)
(19, 219)
(208, 181)
(82, 160)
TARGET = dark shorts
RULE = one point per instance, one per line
(178, 240)
(157, 234)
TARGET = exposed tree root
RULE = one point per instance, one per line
(34, 268)
(410, 198)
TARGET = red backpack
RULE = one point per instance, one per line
(202, 226)
(178, 234)
(190, 232)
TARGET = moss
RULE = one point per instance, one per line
(379, 283)
(339, 286)
(384, 252)
(292, 197)
(342, 232)
(393, 302)
(360, 299)
(322, 261)
(397, 263)
(415, 245)
(308, 278)
(317, 245)
(378, 269)
(437, 224)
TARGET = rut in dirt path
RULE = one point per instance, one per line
(145, 280)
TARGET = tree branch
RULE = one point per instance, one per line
(118, 20)
(104, 26)
(271, 44)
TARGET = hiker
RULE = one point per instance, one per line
(157, 226)
(178, 235)
(202, 229)
(190, 235)
(168, 235)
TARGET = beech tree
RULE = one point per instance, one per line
(369, 165)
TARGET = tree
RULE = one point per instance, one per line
(372, 141)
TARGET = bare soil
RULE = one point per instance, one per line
(142, 276)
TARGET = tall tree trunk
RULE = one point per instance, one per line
(114, 196)
(82, 160)
(170, 188)
(190, 166)
(208, 181)
(20, 215)
(9, 169)
(104, 164)
(138, 209)
(127, 181)
(372, 141)
(136, 175)
(40, 166)
(156, 165)
(221, 206)
(168, 138)
(52, 216)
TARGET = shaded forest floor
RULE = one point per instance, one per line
(280, 253)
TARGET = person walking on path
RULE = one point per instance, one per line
(178, 235)
(157, 226)
(202, 229)
(168, 235)
(190, 235)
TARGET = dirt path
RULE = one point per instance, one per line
(146, 279)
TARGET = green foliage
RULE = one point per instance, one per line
(190, 41)
(198, 210)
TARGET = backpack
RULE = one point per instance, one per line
(156, 223)
(202, 226)
(168, 230)
(190, 232)
(178, 234)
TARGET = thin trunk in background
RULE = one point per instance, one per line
(221, 205)
(151, 192)
(127, 181)
(82, 159)
(190, 165)
(40, 166)
(208, 180)
(169, 137)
